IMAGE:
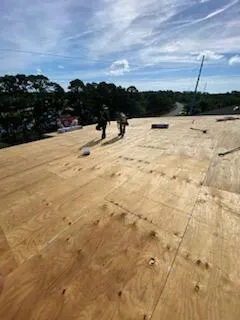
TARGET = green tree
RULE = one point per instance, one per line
(76, 86)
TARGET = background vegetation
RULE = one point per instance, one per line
(30, 104)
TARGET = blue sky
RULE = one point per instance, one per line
(152, 44)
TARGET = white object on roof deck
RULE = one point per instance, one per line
(85, 151)
(68, 129)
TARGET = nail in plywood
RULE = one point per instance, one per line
(127, 233)
(160, 215)
(48, 221)
(205, 280)
(170, 191)
(102, 267)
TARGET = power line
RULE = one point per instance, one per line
(55, 55)
(93, 60)
(39, 53)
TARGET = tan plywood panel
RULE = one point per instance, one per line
(7, 260)
(109, 265)
(130, 232)
(224, 172)
(205, 279)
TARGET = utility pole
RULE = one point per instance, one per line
(193, 104)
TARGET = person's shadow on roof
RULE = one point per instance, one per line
(111, 141)
(91, 143)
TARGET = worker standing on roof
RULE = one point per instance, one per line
(122, 123)
(103, 120)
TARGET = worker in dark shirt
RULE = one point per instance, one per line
(103, 120)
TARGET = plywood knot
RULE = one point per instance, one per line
(198, 262)
(153, 234)
(134, 224)
(123, 215)
(120, 293)
(196, 288)
(64, 291)
(96, 222)
(152, 261)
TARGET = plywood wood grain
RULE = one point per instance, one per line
(205, 280)
(7, 260)
(224, 172)
(111, 265)
(146, 227)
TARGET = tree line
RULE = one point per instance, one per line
(30, 104)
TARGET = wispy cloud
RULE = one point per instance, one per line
(217, 11)
(82, 38)
(32, 26)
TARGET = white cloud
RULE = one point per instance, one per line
(234, 60)
(60, 66)
(170, 54)
(39, 71)
(214, 83)
(166, 26)
(210, 55)
(119, 67)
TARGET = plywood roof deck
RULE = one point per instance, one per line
(146, 227)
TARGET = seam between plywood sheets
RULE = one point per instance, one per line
(177, 251)
(34, 167)
(185, 231)
(132, 213)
